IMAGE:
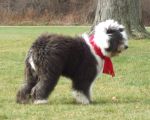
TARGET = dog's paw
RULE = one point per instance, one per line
(40, 102)
(22, 98)
(81, 98)
(37, 99)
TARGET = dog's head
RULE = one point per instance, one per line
(110, 37)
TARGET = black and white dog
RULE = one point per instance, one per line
(79, 58)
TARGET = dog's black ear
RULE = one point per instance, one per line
(110, 31)
(121, 29)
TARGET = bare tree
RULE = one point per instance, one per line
(127, 12)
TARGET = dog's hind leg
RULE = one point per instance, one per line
(23, 95)
(46, 84)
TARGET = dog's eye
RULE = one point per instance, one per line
(110, 31)
(121, 29)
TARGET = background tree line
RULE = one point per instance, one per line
(60, 12)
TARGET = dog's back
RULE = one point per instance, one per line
(68, 53)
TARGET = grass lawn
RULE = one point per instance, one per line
(130, 87)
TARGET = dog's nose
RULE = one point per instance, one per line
(126, 47)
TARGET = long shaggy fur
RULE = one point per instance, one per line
(53, 55)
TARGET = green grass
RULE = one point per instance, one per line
(131, 86)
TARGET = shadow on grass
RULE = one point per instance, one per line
(101, 102)
(98, 101)
(95, 102)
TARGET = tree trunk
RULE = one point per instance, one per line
(137, 26)
(127, 12)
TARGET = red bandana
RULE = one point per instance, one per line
(108, 66)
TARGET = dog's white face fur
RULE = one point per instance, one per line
(108, 32)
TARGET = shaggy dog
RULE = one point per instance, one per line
(79, 58)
